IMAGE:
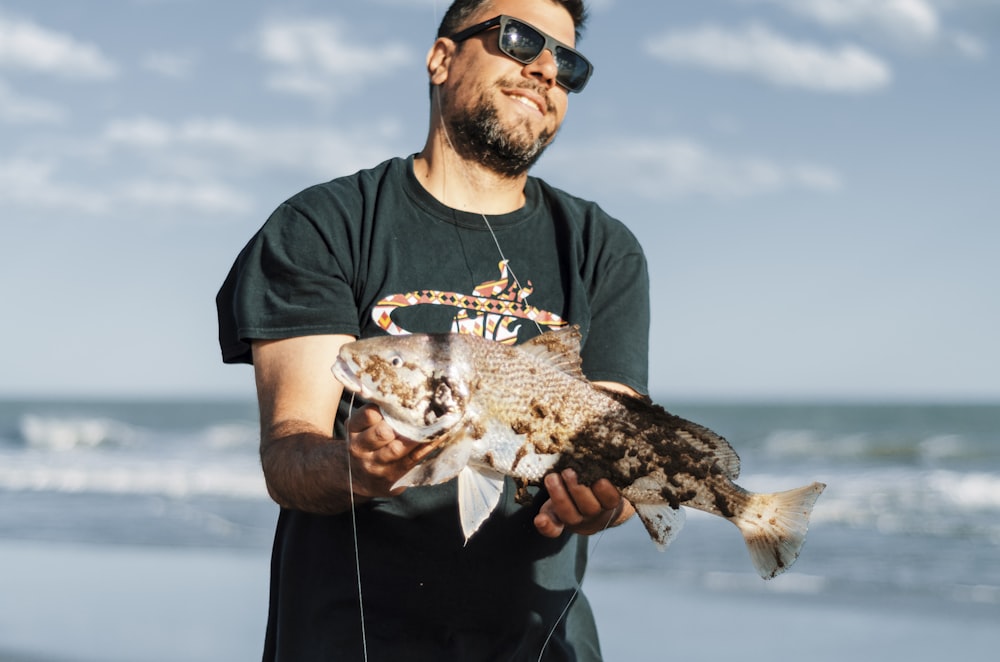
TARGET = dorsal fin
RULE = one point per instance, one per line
(698, 436)
(560, 349)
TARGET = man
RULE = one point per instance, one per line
(455, 238)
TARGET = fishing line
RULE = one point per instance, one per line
(354, 529)
(444, 186)
(617, 511)
(506, 263)
(615, 514)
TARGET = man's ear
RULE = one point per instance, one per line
(439, 60)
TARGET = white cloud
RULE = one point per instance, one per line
(32, 183)
(18, 109)
(45, 186)
(212, 198)
(671, 168)
(905, 19)
(207, 166)
(29, 47)
(757, 51)
(139, 132)
(913, 22)
(969, 45)
(315, 58)
(232, 145)
(170, 65)
(665, 168)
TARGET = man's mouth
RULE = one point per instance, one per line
(527, 101)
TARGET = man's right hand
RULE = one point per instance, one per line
(305, 468)
(378, 457)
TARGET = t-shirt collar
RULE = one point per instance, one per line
(430, 204)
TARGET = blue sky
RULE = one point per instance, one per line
(814, 181)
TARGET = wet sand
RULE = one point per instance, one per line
(82, 603)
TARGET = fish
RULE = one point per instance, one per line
(486, 410)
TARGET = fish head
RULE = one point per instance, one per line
(419, 382)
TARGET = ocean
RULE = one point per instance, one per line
(911, 514)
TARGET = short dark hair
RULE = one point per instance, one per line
(460, 11)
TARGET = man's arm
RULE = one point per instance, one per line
(305, 468)
(580, 508)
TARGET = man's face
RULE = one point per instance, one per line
(498, 111)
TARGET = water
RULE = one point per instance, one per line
(911, 511)
(154, 473)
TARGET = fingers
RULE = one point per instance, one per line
(547, 522)
(576, 501)
(371, 434)
(580, 508)
(378, 457)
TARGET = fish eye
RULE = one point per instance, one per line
(396, 362)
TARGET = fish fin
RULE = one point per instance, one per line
(701, 437)
(479, 491)
(774, 527)
(690, 433)
(661, 521)
(560, 349)
(421, 433)
(439, 467)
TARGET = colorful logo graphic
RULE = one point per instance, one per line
(494, 310)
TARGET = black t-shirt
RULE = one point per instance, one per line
(375, 253)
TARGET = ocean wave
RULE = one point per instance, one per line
(62, 434)
(854, 447)
(976, 491)
(937, 502)
(165, 478)
(71, 433)
(231, 436)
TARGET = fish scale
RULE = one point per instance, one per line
(491, 410)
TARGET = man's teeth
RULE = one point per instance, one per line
(526, 102)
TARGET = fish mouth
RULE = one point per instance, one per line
(341, 369)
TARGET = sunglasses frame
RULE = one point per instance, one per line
(551, 44)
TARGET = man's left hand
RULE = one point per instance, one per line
(580, 508)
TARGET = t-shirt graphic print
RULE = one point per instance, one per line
(495, 309)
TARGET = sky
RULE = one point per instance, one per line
(815, 182)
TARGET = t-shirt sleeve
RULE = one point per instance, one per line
(617, 347)
(292, 279)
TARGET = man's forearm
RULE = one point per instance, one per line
(307, 471)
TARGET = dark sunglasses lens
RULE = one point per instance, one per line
(521, 42)
(524, 43)
(573, 69)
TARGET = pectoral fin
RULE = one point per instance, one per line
(479, 491)
(440, 467)
(661, 521)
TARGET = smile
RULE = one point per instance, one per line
(529, 102)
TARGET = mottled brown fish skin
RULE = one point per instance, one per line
(601, 434)
(464, 392)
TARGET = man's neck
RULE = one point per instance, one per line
(465, 185)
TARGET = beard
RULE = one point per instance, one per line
(479, 135)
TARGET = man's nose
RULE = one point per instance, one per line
(543, 68)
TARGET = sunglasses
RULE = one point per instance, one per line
(525, 43)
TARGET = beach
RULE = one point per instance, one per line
(99, 603)
(141, 532)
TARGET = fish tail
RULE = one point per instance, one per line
(774, 527)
